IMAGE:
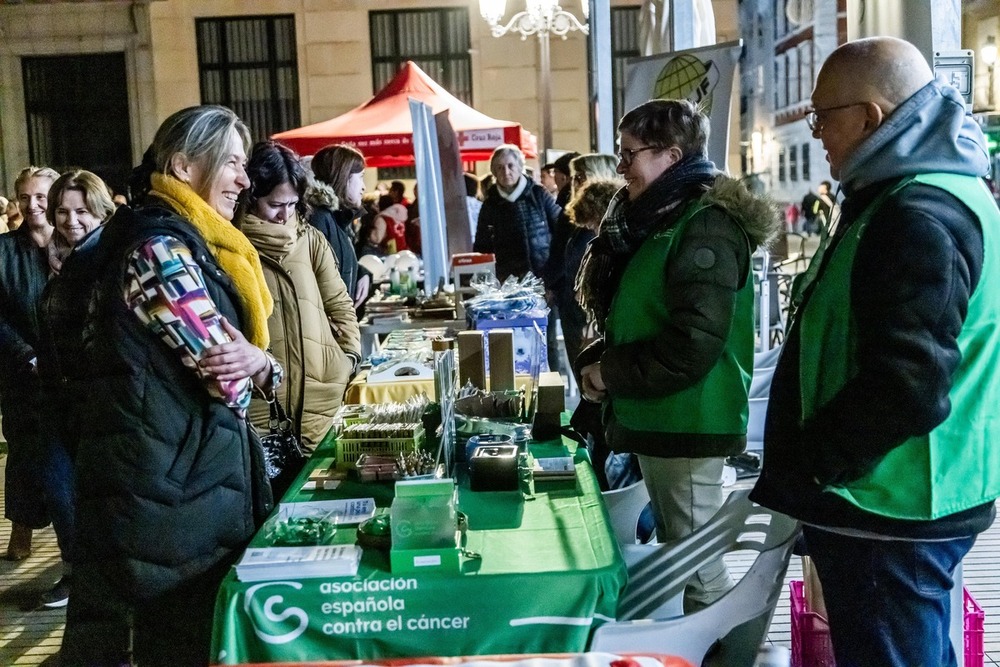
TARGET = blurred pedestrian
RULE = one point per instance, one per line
(516, 218)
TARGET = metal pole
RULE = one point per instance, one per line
(602, 95)
(545, 80)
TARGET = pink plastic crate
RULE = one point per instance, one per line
(811, 645)
(973, 626)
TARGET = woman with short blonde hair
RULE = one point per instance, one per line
(23, 273)
(171, 482)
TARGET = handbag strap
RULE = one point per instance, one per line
(278, 421)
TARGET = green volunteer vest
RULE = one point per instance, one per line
(718, 403)
(957, 465)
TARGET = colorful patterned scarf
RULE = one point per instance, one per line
(231, 249)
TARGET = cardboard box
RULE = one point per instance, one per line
(467, 264)
(464, 266)
(501, 362)
(551, 393)
(472, 358)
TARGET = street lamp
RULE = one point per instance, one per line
(988, 54)
(542, 18)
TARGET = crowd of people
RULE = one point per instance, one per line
(142, 344)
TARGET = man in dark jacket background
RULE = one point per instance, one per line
(881, 434)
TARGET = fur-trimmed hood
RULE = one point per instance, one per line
(320, 194)
(756, 214)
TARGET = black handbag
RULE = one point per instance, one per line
(283, 455)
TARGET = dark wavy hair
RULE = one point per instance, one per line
(270, 164)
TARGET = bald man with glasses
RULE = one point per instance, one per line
(881, 432)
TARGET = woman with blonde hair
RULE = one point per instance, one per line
(78, 203)
(24, 269)
(314, 331)
(170, 478)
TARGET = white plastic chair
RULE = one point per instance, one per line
(760, 389)
(648, 612)
(624, 507)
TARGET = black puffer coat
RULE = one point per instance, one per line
(62, 366)
(703, 276)
(518, 232)
(24, 270)
(170, 480)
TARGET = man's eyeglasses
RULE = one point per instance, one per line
(626, 155)
(815, 121)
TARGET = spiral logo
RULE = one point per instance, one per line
(276, 618)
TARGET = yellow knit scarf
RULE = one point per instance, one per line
(231, 249)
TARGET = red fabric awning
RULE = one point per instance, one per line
(381, 127)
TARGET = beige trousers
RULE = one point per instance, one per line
(685, 494)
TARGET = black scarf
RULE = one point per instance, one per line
(628, 223)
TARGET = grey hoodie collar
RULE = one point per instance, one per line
(929, 132)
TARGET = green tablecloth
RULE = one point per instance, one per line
(550, 572)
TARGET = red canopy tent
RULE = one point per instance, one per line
(381, 127)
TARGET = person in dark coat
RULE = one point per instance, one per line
(170, 477)
(79, 203)
(24, 270)
(516, 219)
(335, 197)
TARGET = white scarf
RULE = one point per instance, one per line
(522, 183)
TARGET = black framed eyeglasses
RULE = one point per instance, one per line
(814, 121)
(626, 155)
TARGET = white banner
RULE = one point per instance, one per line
(703, 76)
(433, 238)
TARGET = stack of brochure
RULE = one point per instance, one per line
(305, 560)
(267, 563)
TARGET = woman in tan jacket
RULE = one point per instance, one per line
(314, 330)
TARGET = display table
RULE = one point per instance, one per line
(550, 571)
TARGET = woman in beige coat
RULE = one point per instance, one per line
(314, 330)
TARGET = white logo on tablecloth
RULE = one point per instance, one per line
(276, 618)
